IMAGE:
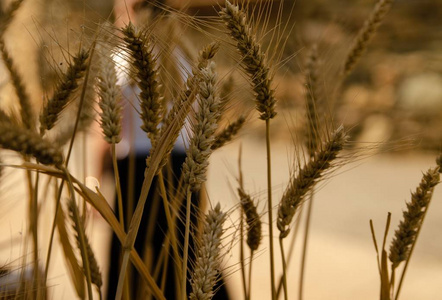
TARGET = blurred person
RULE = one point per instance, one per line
(133, 150)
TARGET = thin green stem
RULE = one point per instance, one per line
(186, 246)
(304, 247)
(284, 269)
(270, 209)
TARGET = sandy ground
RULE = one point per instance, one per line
(341, 260)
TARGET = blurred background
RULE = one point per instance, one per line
(391, 102)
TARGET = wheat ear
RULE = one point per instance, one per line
(208, 258)
(306, 178)
(253, 59)
(27, 142)
(144, 64)
(96, 277)
(69, 83)
(228, 133)
(197, 159)
(406, 234)
(365, 34)
(254, 230)
(439, 162)
(311, 97)
(27, 115)
(109, 101)
(175, 119)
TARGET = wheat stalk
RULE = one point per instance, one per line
(208, 258)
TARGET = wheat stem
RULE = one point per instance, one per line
(270, 209)
(117, 185)
(171, 227)
(186, 245)
(304, 246)
(284, 268)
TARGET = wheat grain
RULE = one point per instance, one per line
(306, 178)
(253, 59)
(208, 260)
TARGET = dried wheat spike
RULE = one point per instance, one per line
(27, 142)
(307, 177)
(197, 159)
(311, 95)
(254, 231)
(65, 88)
(181, 107)
(406, 234)
(88, 110)
(366, 33)
(228, 133)
(7, 15)
(96, 277)
(144, 65)
(208, 258)
(26, 113)
(109, 94)
(204, 55)
(253, 59)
